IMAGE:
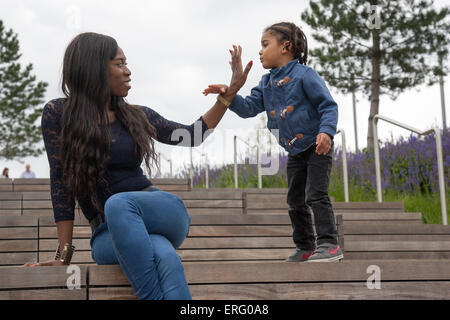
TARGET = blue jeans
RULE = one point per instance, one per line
(141, 232)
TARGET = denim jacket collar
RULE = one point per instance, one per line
(284, 69)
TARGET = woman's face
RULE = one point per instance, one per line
(119, 75)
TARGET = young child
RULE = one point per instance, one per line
(299, 105)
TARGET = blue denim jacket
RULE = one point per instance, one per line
(297, 102)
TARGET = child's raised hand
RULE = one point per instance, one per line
(216, 88)
(239, 74)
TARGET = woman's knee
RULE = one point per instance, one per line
(114, 205)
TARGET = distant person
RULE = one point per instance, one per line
(27, 174)
(5, 174)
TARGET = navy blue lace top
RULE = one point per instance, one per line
(123, 169)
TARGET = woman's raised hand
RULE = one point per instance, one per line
(237, 79)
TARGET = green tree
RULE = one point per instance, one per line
(20, 101)
(378, 47)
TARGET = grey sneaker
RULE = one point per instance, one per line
(327, 252)
(300, 255)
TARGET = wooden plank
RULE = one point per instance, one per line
(358, 227)
(306, 291)
(424, 255)
(167, 181)
(208, 194)
(31, 187)
(10, 213)
(6, 181)
(15, 204)
(18, 233)
(37, 212)
(112, 293)
(248, 272)
(234, 254)
(18, 245)
(397, 246)
(398, 237)
(36, 196)
(264, 190)
(17, 258)
(18, 222)
(79, 257)
(208, 219)
(210, 204)
(237, 243)
(173, 187)
(36, 181)
(6, 187)
(231, 231)
(50, 244)
(45, 294)
(51, 232)
(37, 204)
(38, 277)
(218, 211)
(11, 196)
(47, 221)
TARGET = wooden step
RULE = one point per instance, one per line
(400, 279)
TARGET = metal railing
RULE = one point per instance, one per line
(258, 157)
(159, 164)
(438, 153)
(344, 164)
(191, 171)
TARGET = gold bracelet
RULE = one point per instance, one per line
(66, 255)
(223, 101)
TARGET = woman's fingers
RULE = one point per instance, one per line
(247, 68)
(215, 88)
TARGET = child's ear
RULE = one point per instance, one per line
(286, 46)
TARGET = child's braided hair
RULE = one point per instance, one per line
(287, 31)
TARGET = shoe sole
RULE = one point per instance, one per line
(332, 259)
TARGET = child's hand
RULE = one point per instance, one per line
(239, 75)
(216, 88)
(323, 143)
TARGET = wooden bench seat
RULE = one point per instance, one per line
(400, 279)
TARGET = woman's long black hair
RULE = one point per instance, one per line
(85, 135)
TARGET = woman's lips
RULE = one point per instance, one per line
(127, 84)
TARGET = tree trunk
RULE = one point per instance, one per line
(375, 85)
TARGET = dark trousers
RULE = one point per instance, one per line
(308, 181)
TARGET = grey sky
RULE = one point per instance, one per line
(174, 50)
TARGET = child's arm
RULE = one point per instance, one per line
(320, 97)
(244, 107)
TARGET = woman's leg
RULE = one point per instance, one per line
(168, 263)
(131, 217)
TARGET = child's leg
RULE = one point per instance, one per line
(318, 181)
(303, 232)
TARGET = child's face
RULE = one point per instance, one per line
(272, 54)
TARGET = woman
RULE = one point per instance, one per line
(5, 174)
(95, 143)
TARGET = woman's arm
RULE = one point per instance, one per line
(63, 204)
